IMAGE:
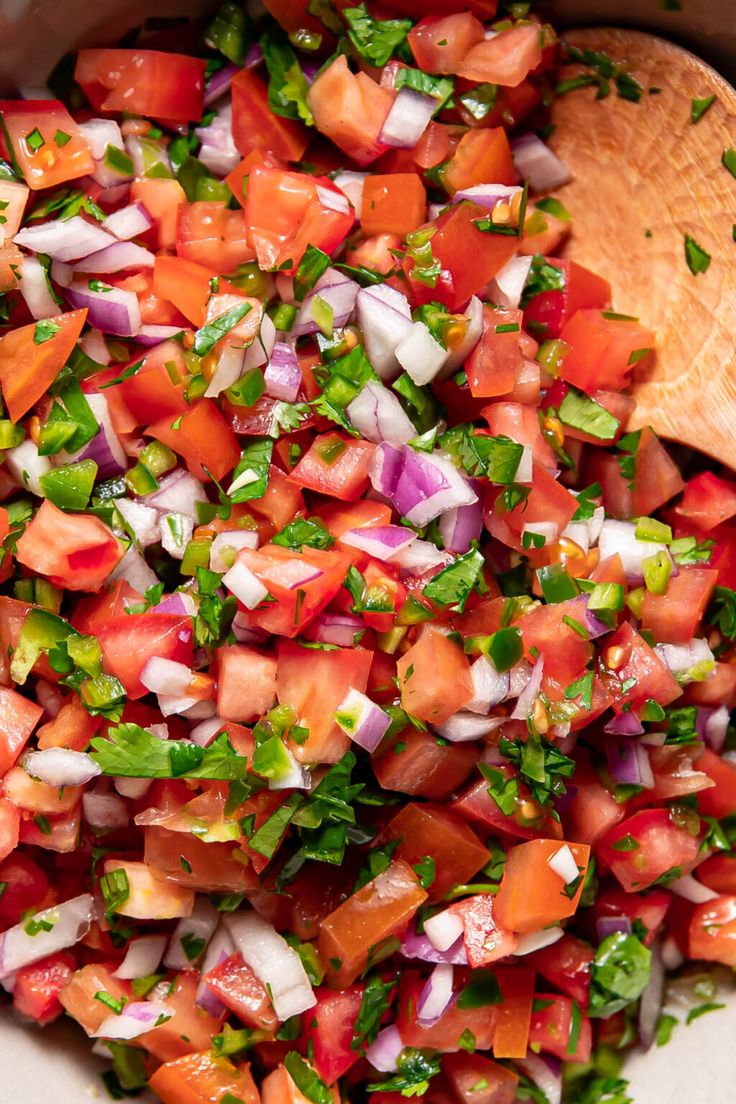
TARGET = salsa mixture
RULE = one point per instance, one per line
(364, 683)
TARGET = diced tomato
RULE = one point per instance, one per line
(493, 365)
(712, 934)
(601, 347)
(480, 156)
(184, 283)
(662, 845)
(302, 584)
(476, 1079)
(201, 1078)
(329, 1031)
(548, 501)
(393, 204)
(434, 676)
(476, 805)
(708, 500)
(279, 1088)
(189, 1029)
(143, 82)
(674, 616)
(506, 58)
(553, 1029)
(532, 893)
(129, 641)
(485, 940)
(256, 127)
(416, 764)
(73, 727)
(18, 718)
(163, 199)
(26, 887)
(212, 234)
(439, 43)
(76, 551)
(151, 393)
(582, 289)
(593, 810)
(648, 908)
(566, 964)
(514, 1013)
(214, 868)
(37, 987)
(720, 801)
(357, 928)
(239, 989)
(450, 1031)
(521, 423)
(718, 872)
(62, 155)
(335, 465)
(30, 360)
(350, 109)
(656, 476)
(203, 438)
(77, 997)
(9, 827)
(430, 830)
(635, 660)
(334, 673)
(246, 683)
(565, 651)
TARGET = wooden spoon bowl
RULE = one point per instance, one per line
(644, 177)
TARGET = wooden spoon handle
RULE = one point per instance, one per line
(645, 176)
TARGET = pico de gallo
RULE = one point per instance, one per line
(365, 680)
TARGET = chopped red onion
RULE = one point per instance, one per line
(487, 195)
(362, 720)
(420, 486)
(681, 658)
(142, 957)
(593, 624)
(383, 1053)
(444, 929)
(536, 941)
(489, 687)
(610, 925)
(199, 925)
(179, 603)
(233, 539)
(408, 118)
(273, 961)
(128, 222)
(220, 947)
(178, 493)
(383, 542)
(628, 763)
(351, 184)
(473, 333)
(64, 240)
(58, 766)
(220, 81)
(247, 588)
(420, 556)
(142, 521)
(339, 293)
(625, 724)
(420, 355)
(166, 676)
(508, 285)
(282, 376)
(335, 628)
(69, 922)
(104, 810)
(619, 537)
(35, 289)
(259, 351)
(461, 526)
(378, 416)
(137, 1018)
(218, 153)
(436, 995)
(563, 864)
(546, 1073)
(535, 162)
(419, 946)
(116, 258)
(690, 889)
(95, 346)
(715, 727)
(244, 633)
(100, 134)
(154, 335)
(463, 727)
(104, 448)
(528, 695)
(384, 316)
(296, 573)
(204, 733)
(650, 1003)
(134, 569)
(113, 311)
(333, 199)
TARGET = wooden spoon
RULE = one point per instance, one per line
(644, 177)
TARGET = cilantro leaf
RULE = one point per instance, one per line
(250, 476)
(722, 611)
(375, 39)
(374, 1002)
(496, 458)
(583, 413)
(287, 85)
(208, 335)
(453, 585)
(306, 1080)
(415, 1070)
(302, 531)
(698, 259)
(342, 380)
(619, 974)
(134, 752)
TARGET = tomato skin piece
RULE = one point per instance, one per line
(600, 349)
(505, 59)
(476, 1079)
(432, 830)
(551, 1027)
(203, 438)
(532, 895)
(128, 642)
(662, 846)
(37, 987)
(437, 696)
(395, 203)
(76, 551)
(50, 164)
(203, 1079)
(334, 673)
(28, 369)
(480, 155)
(145, 82)
(233, 981)
(422, 767)
(344, 477)
(712, 933)
(380, 909)
(439, 43)
(256, 127)
(582, 289)
(329, 1029)
(350, 110)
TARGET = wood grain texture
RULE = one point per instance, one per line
(645, 167)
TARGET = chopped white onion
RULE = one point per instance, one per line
(351, 183)
(535, 941)
(247, 587)
(136, 1019)
(443, 929)
(142, 957)
(273, 961)
(535, 162)
(420, 355)
(564, 865)
(185, 948)
(35, 288)
(234, 540)
(26, 466)
(507, 286)
(166, 676)
(58, 766)
(692, 890)
(383, 1053)
(104, 810)
(69, 922)
(436, 994)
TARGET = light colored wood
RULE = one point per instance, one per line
(645, 167)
